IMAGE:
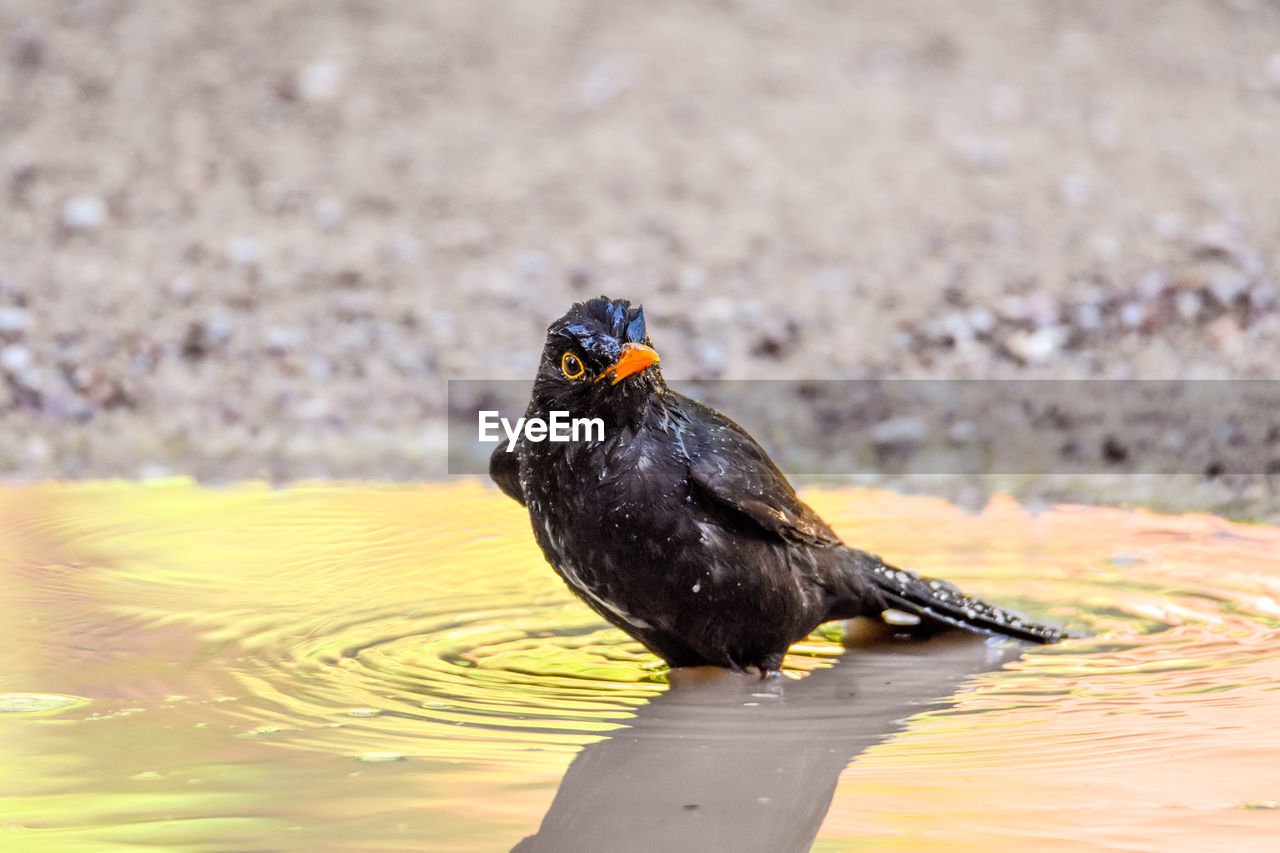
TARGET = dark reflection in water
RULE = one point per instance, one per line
(724, 761)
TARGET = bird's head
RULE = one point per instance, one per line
(598, 362)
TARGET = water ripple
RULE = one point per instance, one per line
(421, 623)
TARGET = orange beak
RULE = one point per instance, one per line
(635, 358)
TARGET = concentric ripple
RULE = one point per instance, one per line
(418, 631)
(497, 678)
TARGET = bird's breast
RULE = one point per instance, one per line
(625, 501)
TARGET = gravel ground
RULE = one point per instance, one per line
(254, 239)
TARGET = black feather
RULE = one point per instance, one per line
(679, 529)
(504, 469)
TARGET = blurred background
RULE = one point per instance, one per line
(246, 239)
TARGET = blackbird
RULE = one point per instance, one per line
(677, 527)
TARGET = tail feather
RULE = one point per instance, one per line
(941, 602)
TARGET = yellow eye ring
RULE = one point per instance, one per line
(571, 366)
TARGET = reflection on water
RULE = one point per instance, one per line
(729, 762)
(396, 668)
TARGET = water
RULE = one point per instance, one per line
(355, 668)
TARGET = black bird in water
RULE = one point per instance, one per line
(678, 528)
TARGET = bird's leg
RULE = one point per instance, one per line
(770, 667)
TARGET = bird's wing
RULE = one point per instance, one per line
(504, 469)
(728, 464)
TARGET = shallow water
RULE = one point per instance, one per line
(358, 668)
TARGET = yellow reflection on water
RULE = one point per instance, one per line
(1154, 734)
(210, 629)
(344, 667)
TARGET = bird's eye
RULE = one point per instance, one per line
(571, 366)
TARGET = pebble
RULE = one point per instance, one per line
(243, 250)
(281, 338)
(1227, 284)
(204, 336)
(1088, 316)
(153, 471)
(36, 449)
(1038, 346)
(1219, 238)
(711, 355)
(1132, 314)
(15, 358)
(314, 408)
(1076, 189)
(13, 319)
(900, 431)
(320, 370)
(981, 321)
(319, 81)
(1038, 309)
(182, 287)
(1265, 295)
(1188, 304)
(1226, 335)
(691, 277)
(1152, 284)
(1168, 225)
(902, 341)
(405, 249)
(328, 212)
(84, 212)
(1106, 247)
